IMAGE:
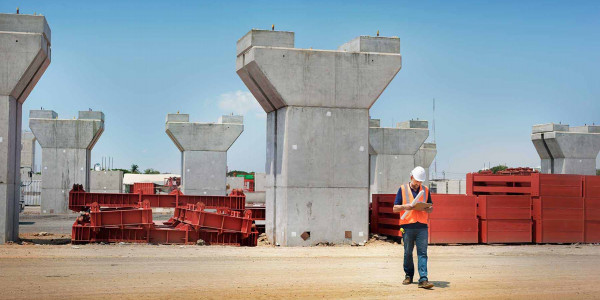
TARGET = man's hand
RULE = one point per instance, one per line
(399, 208)
(429, 209)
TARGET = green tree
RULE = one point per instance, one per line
(598, 172)
(135, 169)
(496, 169)
(125, 171)
(151, 171)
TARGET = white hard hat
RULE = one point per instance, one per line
(418, 174)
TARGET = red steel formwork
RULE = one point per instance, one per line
(504, 219)
(224, 220)
(383, 219)
(80, 200)
(591, 186)
(533, 184)
(143, 188)
(558, 219)
(453, 220)
(592, 219)
(121, 217)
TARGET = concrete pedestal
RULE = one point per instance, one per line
(66, 153)
(24, 56)
(203, 149)
(567, 150)
(106, 181)
(425, 156)
(317, 104)
(393, 154)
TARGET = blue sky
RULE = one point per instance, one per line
(494, 69)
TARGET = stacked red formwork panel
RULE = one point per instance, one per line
(453, 220)
(383, 219)
(502, 184)
(558, 209)
(504, 219)
(105, 221)
(259, 214)
(592, 209)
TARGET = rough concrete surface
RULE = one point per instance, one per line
(24, 57)
(203, 149)
(317, 105)
(266, 272)
(106, 182)
(567, 150)
(66, 153)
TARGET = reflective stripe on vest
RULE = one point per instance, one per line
(413, 215)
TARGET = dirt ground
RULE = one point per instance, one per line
(214, 272)
(370, 272)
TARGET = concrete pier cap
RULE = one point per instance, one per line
(24, 57)
(66, 153)
(203, 149)
(394, 152)
(567, 150)
(317, 104)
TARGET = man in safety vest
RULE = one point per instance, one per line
(414, 226)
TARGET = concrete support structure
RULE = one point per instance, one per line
(24, 57)
(317, 104)
(203, 149)
(28, 151)
(106, 181)
(393, 154)
(66, 153)
(567, 150)
(425, 156)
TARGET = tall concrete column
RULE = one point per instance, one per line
(28, 151)
(317, 104)
(66, 153)
(393, 152)
(567, 150)
(24, 56)
(203, 149)
(425, 156)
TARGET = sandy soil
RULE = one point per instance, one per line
(370, 272)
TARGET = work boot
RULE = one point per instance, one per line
(425, 284)
(407, 280)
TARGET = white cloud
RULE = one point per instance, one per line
(239, 102)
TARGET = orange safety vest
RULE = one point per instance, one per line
(413, 215)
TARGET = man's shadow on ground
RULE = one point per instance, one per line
(440, 284)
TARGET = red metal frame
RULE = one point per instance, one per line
(80, 200)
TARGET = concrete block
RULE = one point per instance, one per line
(28, 151)
(317, 105)
(267, 38)
(66, 153)
(374, 123)
(24, 56)
(255, 197)
(541, 128)
(43, 114)
(567, 150)
(372, 44)
(235, 183)
(260, 181)
(425, 156)
(106, 181)
(91, 115)
(204, 153)
(231, 119)
(178, 117)
(413, 124)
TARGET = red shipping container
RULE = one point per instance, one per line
(558, 208)
(506, 231)
(504, 207)
(561, 185)
(559, 231)
(456, 207)
(592, 186)
(592, 232)
(592, 208)
(443, 231)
